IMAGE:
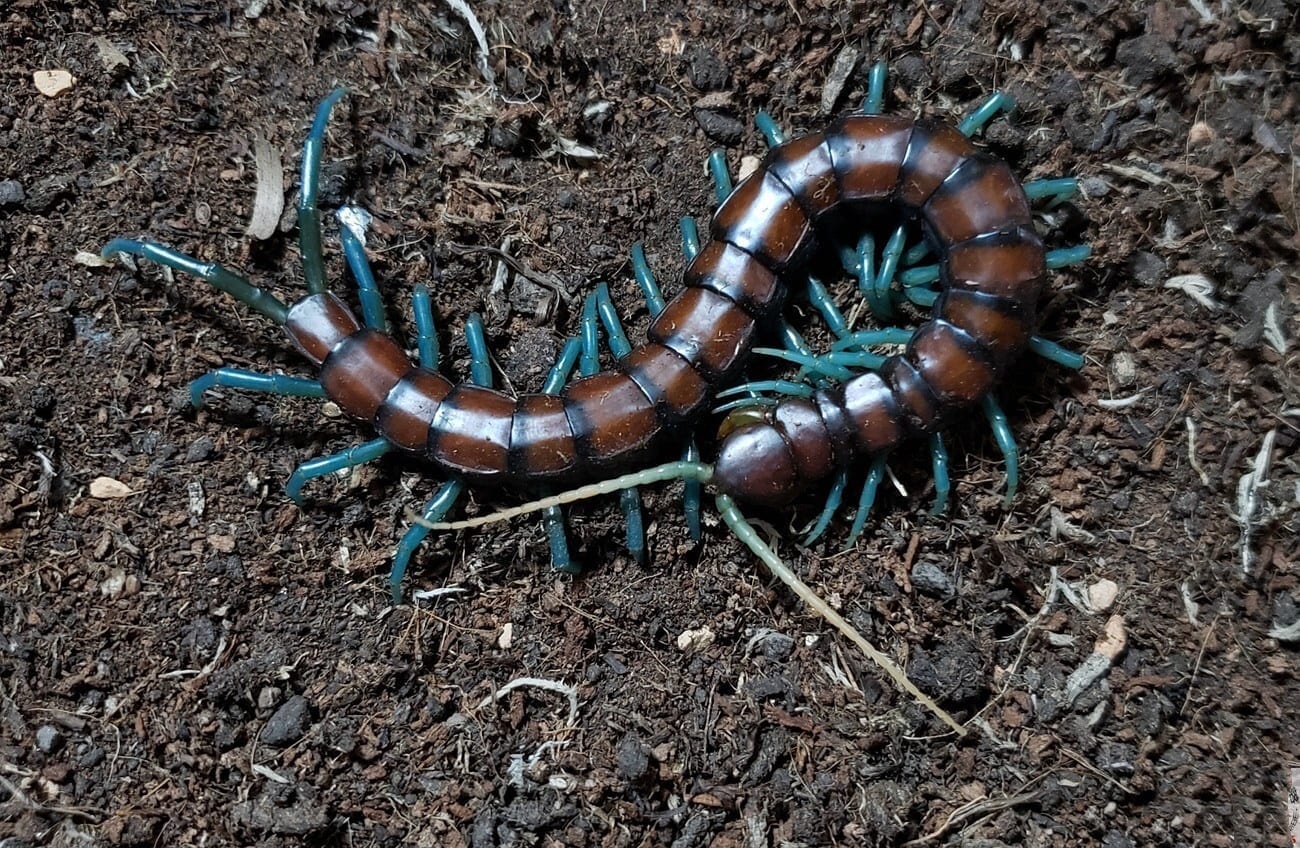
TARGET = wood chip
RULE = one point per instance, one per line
(106, 488)
(109, 54)
(53, 83)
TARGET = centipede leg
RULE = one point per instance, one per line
(870, 487)
(692, 493)
(309, 230)
(216, 275)
(828, 510)
(875, 99)
(325, 465)
(997, 103)
(447, 494)
(239, 378)
(939, 468)
(353, 223)
(553, 517)
(1005, 441)
(599, 310)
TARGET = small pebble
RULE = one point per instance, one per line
(930, 579)
(288, 724)
(11, 192)
(49, 739)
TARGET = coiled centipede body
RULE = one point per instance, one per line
(976, 219)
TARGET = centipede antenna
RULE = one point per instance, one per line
(325, 465)
(821, 299)
(690, 236)
(939, 465)
(695, 471)
(426, 334)
(1053, 191)
(721, 176)
(833, 499)
(618, 343)
(770, 129)
(867, 499)
(217, 276)
(1053, 352)
(1063, 256)
(239, 378)
(872, 338)
(1006, 443)
(645, 280)
(781, 387)
(813, 364)
(999, 102)
(875, 89)
(434, 510)
(480, 361)
(309, 232)
(353, 223)
(746, 533)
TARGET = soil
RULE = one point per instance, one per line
(188, 658)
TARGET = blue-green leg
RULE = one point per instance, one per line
(875, 100)
(771, 132)
(239, 378)
(353, 223)
(213, 273)
(939, 465)
(832, 504)
(323, 465)
(598, 310)
(309, 231)
(553, 517)
(867, 499)
(721, 175)
(449, 492)
(1006, 443)
(998, 103)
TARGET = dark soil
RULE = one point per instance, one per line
(200, 662)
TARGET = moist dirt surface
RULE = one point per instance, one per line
(188, 658)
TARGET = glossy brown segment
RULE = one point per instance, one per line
(981, 196)
(470, 431)
(773, 480)
(317, 323)
(1011, 264)
(951, 363)
(868, 154)
(731, 272)
(804, 166)
(542, 444)
(706, 329)
(612, 419)
(761, 217)
(669, 380)
(870, 406)
(933, 153)
(405, 414)
(999, 325)
(918, 408)
(361, 370)
(801, 424)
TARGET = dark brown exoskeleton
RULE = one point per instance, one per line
(992, 267)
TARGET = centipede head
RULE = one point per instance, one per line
(755, 463)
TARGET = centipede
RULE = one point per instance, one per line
(603, 430)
